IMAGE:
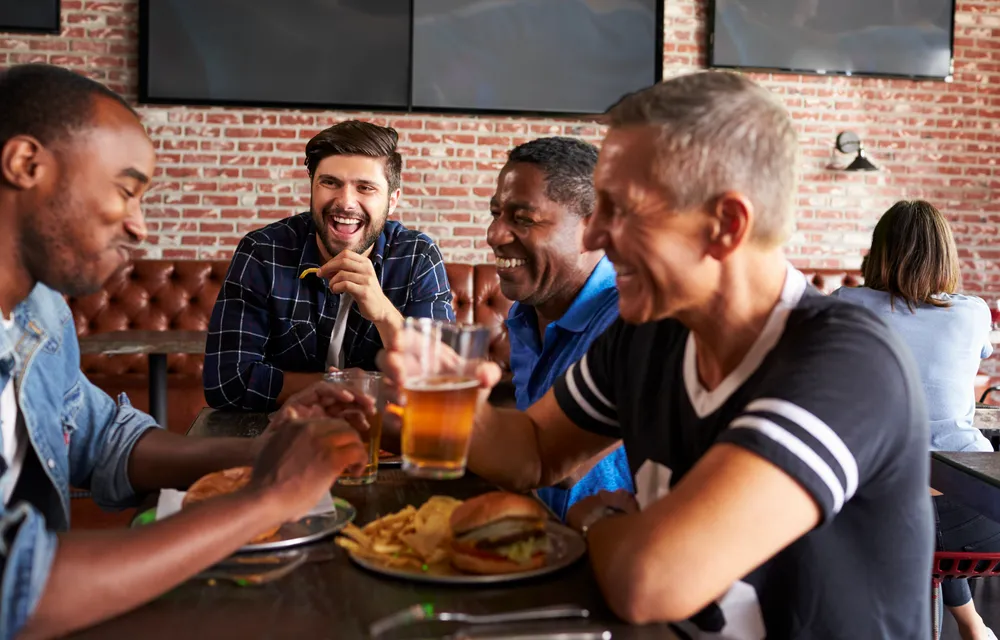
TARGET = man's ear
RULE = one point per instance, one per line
(731, 215)
(23, 162)
(394, 200)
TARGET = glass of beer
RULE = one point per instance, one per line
(368, 383)
(439, 395)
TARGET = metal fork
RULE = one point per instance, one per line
(426, 612)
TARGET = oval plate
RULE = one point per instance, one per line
(291, 534)
(568, 546)
(307, 529)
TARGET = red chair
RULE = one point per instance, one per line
(953, 564)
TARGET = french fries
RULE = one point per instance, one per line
(411, 539)
(307, 272)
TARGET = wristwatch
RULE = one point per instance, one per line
(599, 513)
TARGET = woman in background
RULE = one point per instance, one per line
(911, 274)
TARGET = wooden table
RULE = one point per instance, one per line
(154, 344)
(333, 598)
(972, 478)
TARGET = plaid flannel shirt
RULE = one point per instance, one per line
(266, 321)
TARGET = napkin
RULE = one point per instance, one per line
(170, 503)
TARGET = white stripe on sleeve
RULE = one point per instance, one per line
(817, 429)
(585, 370)
(582, 402)
(799, 449)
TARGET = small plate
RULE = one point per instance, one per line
(291, 534)
(568, 546)
(307, 529)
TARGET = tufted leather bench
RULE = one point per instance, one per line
(179, 295)
(167, 295)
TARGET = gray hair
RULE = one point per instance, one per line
(718, 132)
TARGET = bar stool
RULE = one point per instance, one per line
(956, 564)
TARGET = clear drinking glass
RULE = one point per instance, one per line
(439, 395)
(369, 383)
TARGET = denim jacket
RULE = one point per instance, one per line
(79, 435)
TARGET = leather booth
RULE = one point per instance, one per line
(179, 295)
(165, 295)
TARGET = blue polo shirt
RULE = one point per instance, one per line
(536, 365)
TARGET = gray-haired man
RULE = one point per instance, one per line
(778, 437)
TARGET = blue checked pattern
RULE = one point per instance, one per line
(266, 321)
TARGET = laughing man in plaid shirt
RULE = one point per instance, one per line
(271, 331)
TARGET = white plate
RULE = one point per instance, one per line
(308, 529)
(329, 516)
(568, 546)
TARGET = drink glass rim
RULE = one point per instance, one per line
(465, 326)
(354, 374)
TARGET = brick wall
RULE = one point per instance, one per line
(223, 172)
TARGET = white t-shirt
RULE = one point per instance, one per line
(14, 438)
(335, 355)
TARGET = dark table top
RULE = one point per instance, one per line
(336, 599)
(144, 342)
(984, 466)
(220, 424)
(972, 478)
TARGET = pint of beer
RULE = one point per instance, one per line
(368, 383)
(439, 396)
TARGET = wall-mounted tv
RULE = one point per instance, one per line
(38, 16)
(896, 38)
(525, 56)
(565, 56)
(310, 53)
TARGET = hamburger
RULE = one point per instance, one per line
(221, 483)
(498, 532)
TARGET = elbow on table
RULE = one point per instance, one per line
(647, 597)
(218, 400)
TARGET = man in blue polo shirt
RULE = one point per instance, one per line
(564, 295)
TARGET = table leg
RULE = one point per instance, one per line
(158, 388)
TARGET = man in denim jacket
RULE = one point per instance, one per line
(74, 162)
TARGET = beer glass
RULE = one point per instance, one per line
(370, 384)
(439, 395)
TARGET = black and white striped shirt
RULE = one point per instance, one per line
(828, 395)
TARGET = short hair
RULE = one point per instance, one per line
(48, 103)
(357, 138)
(568, 165)
(719, 132)
(913, 255)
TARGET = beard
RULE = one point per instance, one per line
(373, 227)
(51, 256)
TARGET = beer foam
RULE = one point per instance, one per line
(441, 383)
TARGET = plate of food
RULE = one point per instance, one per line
(495, 537)
(329, 516)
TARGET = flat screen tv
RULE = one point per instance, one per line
(896, 38)
(39, 16)
(308, 53)
(554, 56)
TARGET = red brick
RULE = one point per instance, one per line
(215, 227)
(284, 134)
(222, 118)
(220, 201)
(300, 119)
(179, 254)
(242, 132)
